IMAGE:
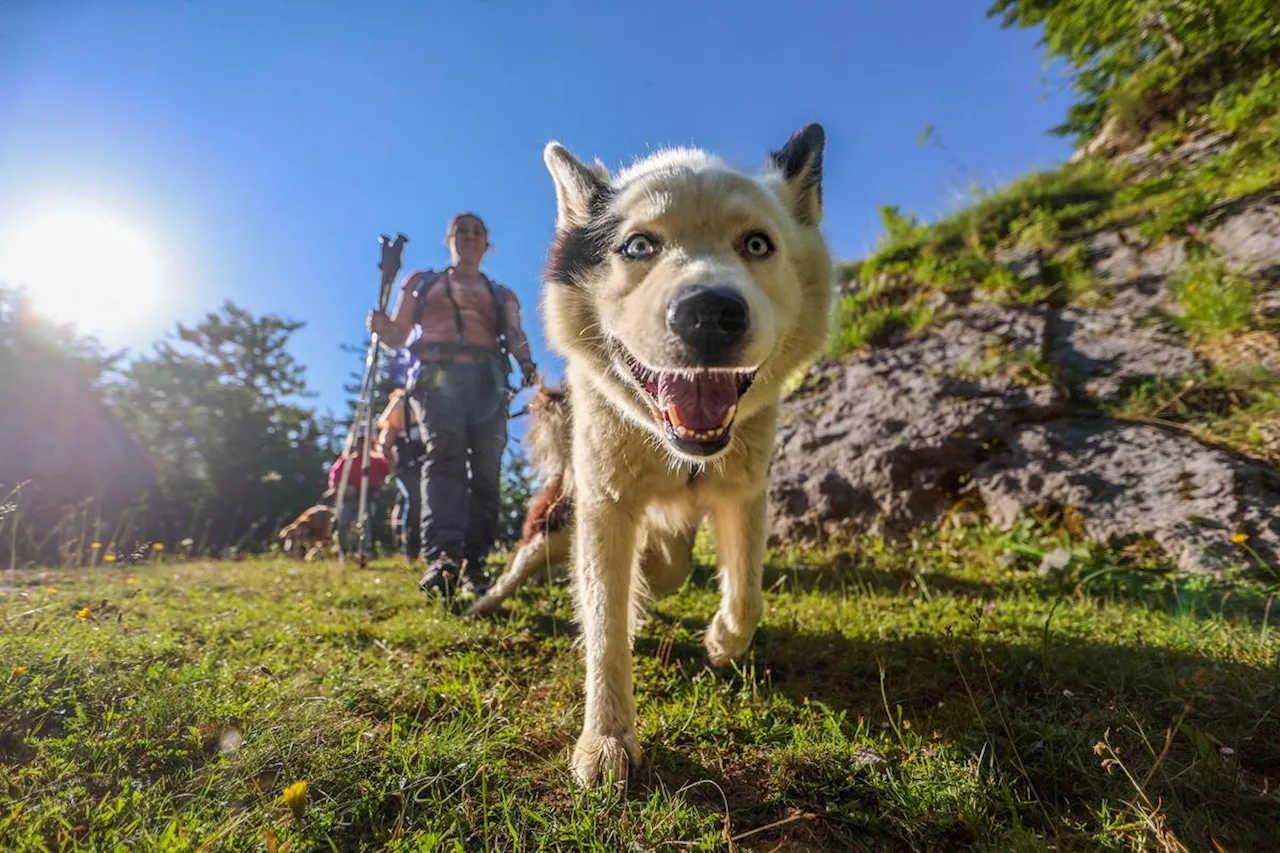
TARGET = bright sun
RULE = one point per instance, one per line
(84, 266)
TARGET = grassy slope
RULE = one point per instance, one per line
(937, 695)
(1052, 212)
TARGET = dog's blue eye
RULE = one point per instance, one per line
(757, 245)
(639, 246)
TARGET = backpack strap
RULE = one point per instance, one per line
(429, 279)
(498, 294)
(458, 325)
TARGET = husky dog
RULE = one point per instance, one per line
(681, 293)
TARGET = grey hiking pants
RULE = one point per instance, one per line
(464, 414)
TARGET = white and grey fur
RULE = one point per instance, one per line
(640, 492)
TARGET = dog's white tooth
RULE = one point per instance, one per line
(675, 418)
(728, 416)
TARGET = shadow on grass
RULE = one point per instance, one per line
(1038, 713)
(1199, 733)
(1192, 597)
(738, 793)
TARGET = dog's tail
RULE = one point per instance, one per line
(544, 537)
(550, 435)
(542, 551)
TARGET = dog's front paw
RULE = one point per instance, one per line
(604, 759)
(724, 645)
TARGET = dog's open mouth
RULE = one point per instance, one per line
(697, 406)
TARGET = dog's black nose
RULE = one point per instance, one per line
(711, 320)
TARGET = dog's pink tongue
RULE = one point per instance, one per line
(701, 403)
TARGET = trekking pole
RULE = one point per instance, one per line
(389, 264)
(358, 416)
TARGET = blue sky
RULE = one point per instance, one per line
(266, 144)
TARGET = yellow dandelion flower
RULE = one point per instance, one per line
(19, 670)
(97, 546)
(53, 589)
(159, 546)
(110, 558)
(295, 796)
(1240, 538)
(84, 613)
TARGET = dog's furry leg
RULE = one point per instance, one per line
(666, 560)
(604, 560)
(544, 551)
(740, 537)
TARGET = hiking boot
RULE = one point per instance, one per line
(441, 577)
(475, 581)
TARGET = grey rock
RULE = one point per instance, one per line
(1250, 239)
(888, 433)
(865, 755)
(1023, 262)
(1268, 302)
(1200, 144)
(1054, 562)
(1105, 350)
(1120, 258)
(1130, 479)
(894, 437)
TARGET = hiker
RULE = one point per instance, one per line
(400, 439)
(469, 330)
(379, 469)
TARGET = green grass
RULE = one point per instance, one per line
(1052, 211)
(1024, 365)
(865, 325)
(1233, 407)
(940, 694)
(1215, 301)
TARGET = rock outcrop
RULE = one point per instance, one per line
(1003, 406)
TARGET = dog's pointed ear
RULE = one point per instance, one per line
(577, 186)
(800, 164)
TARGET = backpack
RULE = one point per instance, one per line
(497, 293)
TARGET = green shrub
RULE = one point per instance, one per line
(1215, 301)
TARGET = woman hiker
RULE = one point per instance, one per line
(469, 329)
